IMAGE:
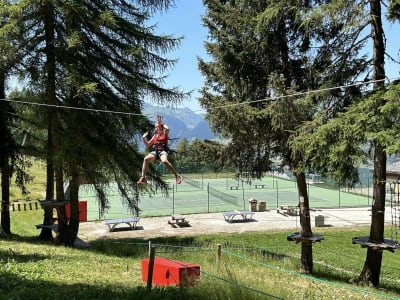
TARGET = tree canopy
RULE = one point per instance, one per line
(87, 69)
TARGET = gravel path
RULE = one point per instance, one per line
(150, 227)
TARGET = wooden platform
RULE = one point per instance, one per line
(387, 244)
(296, 237)
(53, 227)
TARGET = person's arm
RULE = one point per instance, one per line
(148, 143)
(166, 132)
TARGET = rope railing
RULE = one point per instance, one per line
(220, 252)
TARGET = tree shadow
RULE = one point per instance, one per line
(18, 287)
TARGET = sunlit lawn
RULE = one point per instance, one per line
(252, 266)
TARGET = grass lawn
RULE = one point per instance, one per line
(252, 266)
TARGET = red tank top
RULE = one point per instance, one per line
(160, 141)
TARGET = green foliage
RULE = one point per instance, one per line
(107, 59)
(265, 57)
(202, 156)
(394, 10)
(337, 148)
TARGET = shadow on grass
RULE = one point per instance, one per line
(7, 254)
(332, 277)
(138, 247)
(15, 287)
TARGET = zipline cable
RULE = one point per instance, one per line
(195, 111)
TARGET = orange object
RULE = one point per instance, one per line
(82, 211)
(171, 272)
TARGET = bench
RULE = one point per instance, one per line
(53, 227)
(112, 223)
(245, 214)
(178, 220)
(236, 187)
(261, 186)
(287, 209)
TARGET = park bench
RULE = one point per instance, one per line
(178, 220)
(245, 214)
(130, 221)
(287, 209)
(53, 227)
(235, 187)
(260, 185)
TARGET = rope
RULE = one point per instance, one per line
(200, 110)
(308, 277)
(227, 280)
(199, 249)
(302, 93)
(240, 285)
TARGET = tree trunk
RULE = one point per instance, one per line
(372, 265)
(5, 193)
(46, 233)
(48, 11)
(304, 207)
(4, 164)
(73, 225)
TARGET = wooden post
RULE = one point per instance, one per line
(218, 254)
(152, 252)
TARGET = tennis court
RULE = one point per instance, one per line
(199, 195)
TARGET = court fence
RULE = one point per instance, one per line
(205, 193)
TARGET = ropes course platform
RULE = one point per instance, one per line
(298, 238)
(387, 244)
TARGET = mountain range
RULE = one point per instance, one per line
(183, 122)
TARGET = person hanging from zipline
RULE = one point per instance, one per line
(159, 148)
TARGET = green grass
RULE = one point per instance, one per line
(252, 266)
(35, 188)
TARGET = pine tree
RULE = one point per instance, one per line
(262, 54)
(11, 159)
(101, 60)
(368, 121)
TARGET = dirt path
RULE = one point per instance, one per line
(211, 223)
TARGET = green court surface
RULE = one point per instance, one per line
(198, 195)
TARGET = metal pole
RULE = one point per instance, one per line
(277, 201)
(244, 203)
(173, 200)
(273, 179)
(152, 252)
(218, 254)
(208, 197)
(368, 190)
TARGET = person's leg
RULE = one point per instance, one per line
(146, 161)
(165, 161)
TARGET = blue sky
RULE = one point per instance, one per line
(185, 20)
